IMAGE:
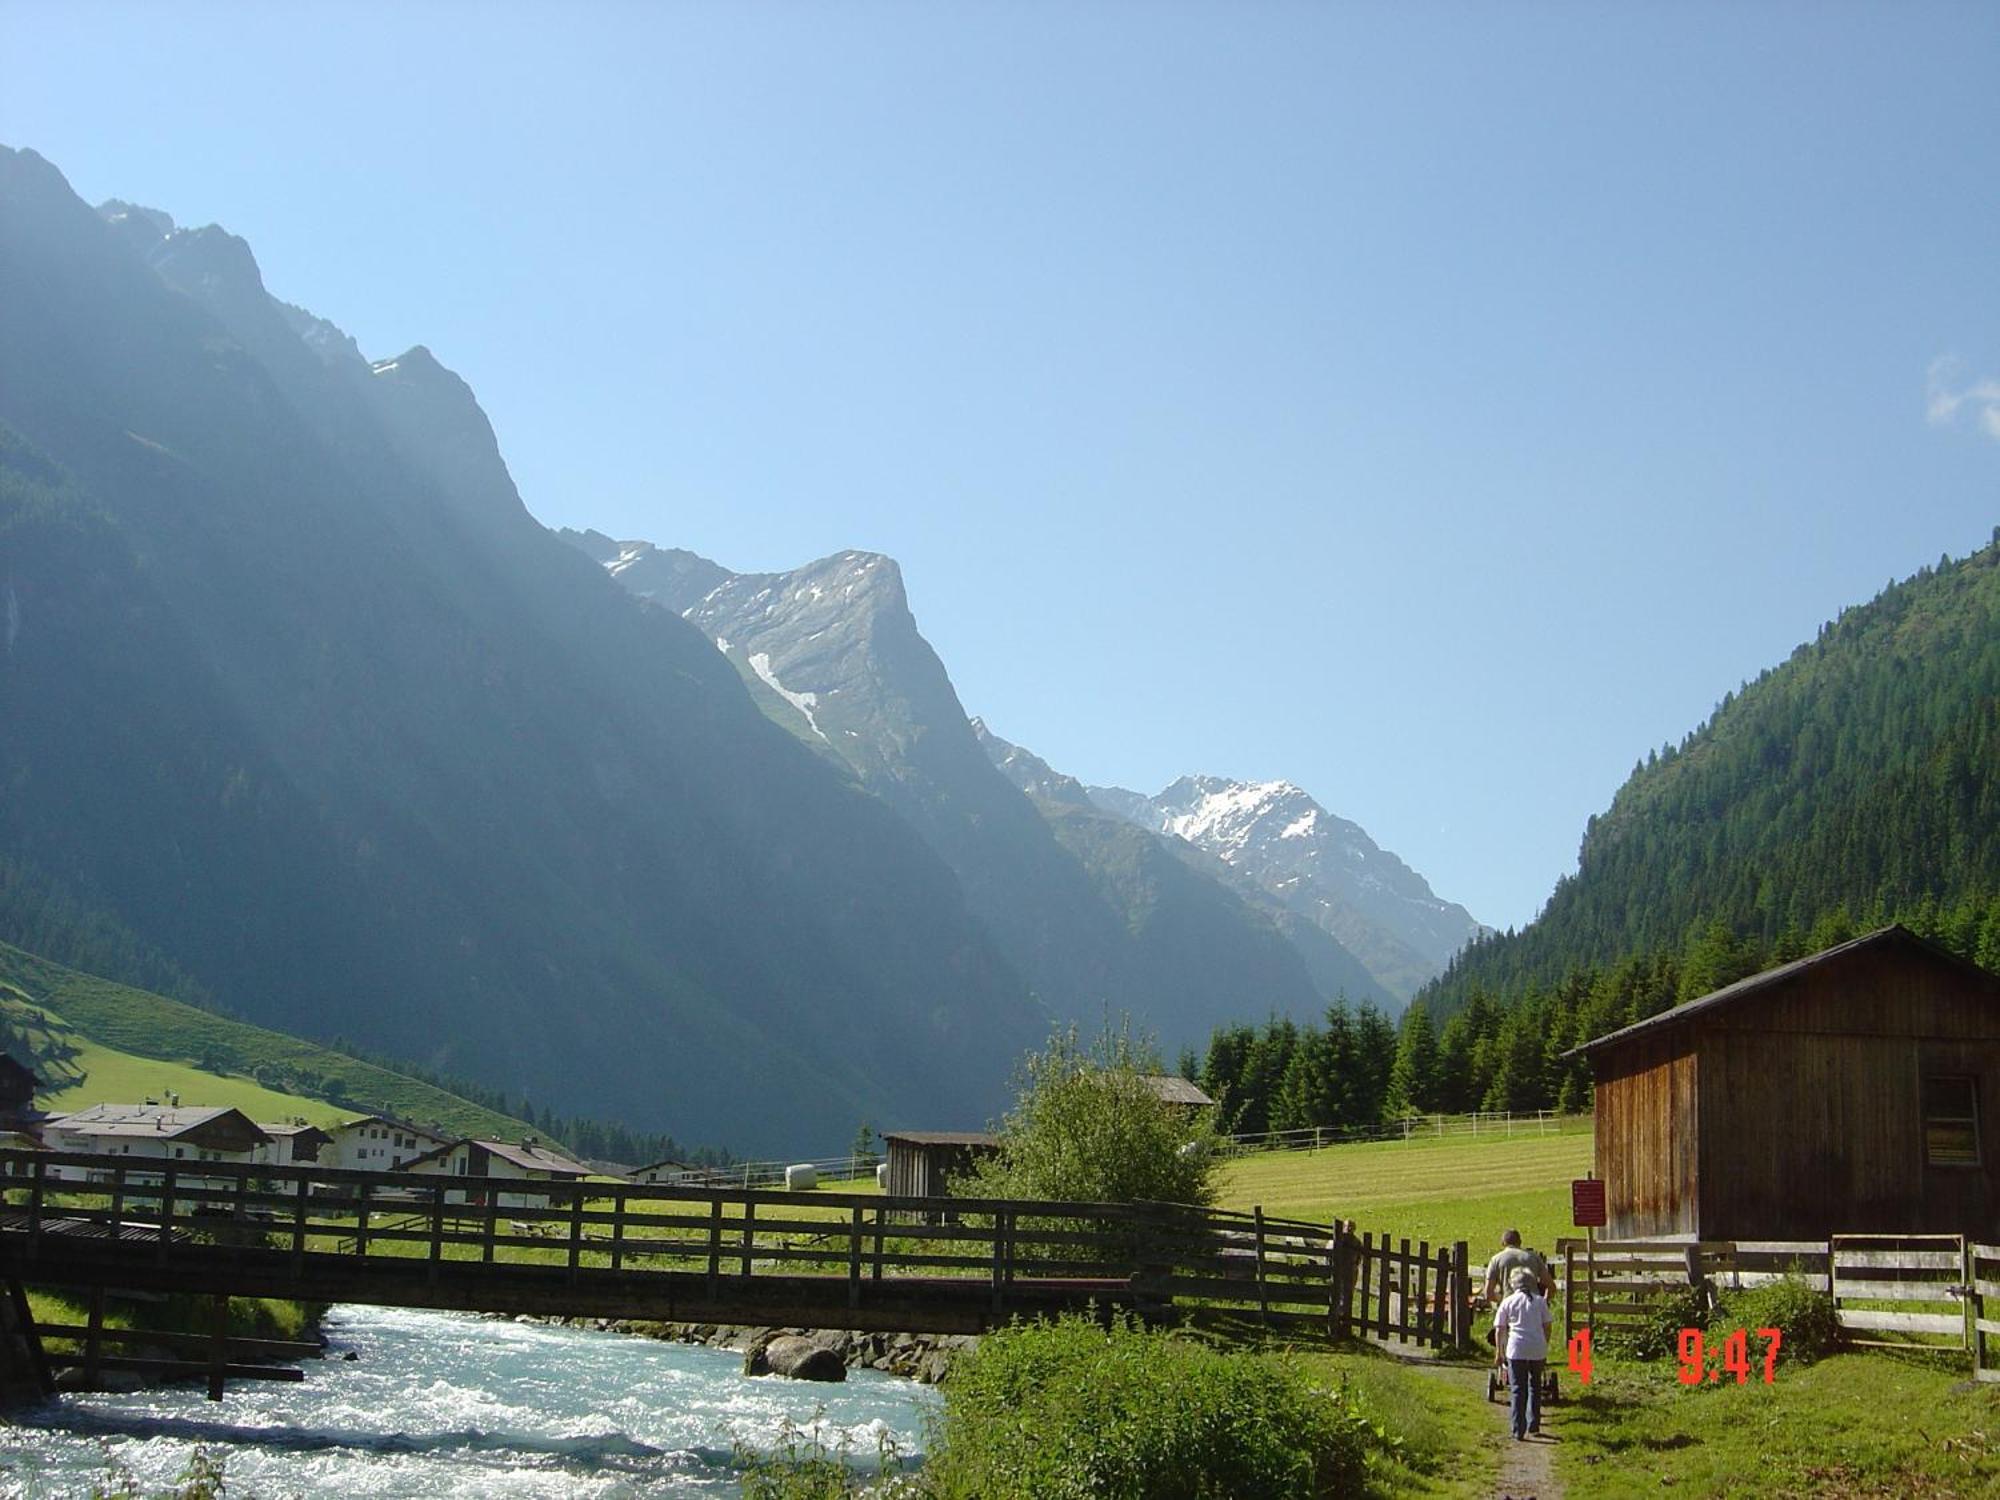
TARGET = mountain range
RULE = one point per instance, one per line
(304, 716)
(1099, 910)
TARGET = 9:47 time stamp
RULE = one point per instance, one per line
(1700, 1363)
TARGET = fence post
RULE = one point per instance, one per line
(166, 1211)
(1461, 1295)
(218, 1346)
(714, 1244)
(1263, 1291)
(1363, 1283)
(1342, 1285)
(1424, 1327)
(1967, 1265)
(854, 1258)
(749, 1232)
(1569, 1293)
(299, 1224)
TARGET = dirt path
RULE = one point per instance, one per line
(1527, 1470)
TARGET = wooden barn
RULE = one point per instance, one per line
(1850, 1092)
(922, 1163)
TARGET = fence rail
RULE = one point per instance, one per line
(1499, 1124)
(1924, 1292)
(700, 1253)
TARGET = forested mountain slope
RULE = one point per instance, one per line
(1858, 782)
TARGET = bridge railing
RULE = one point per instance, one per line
(1162, 1260)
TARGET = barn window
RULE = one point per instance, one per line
(1951, 1122)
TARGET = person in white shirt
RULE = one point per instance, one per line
(1521, 1326)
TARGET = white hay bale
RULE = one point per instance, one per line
(798, 1179)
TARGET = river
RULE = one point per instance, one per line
(452, 1405)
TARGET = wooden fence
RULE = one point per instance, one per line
(619, 1249)
(1923, 1292)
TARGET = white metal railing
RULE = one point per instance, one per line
(1409, 1128)
(756, 1174)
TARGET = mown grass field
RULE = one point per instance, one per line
(1458, 1187)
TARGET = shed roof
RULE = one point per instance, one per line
(1173, 1089)
(943, 1138)
(1894, 935)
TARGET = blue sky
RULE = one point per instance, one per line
(1434, 405)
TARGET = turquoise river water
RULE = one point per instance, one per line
(451, 1405)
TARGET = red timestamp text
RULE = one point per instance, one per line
(1694, 1352)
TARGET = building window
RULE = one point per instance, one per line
(1951, 1122)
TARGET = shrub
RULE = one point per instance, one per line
(1072, 1411)
(1086, 1127)
(1657, 1335)
(1804, 1316)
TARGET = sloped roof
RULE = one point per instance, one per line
(294, 1127)
(942, 1137)
(1894, 935)
(395, 1124)
(150, 1120)
(535, 1157)
(530, 1158)
(1173, 1089)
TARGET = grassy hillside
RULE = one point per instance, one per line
(129, 1044)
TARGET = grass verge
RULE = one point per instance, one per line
(1857, 1424)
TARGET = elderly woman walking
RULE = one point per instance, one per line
(1521, 1325)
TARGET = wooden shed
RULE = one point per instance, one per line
(1182, 1093)
(922, 1163)
(1854, 1091)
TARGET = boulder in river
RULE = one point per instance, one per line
(794, 1356)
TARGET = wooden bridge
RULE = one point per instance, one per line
(675, 1253)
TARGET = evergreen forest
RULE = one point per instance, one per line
(1855, 785)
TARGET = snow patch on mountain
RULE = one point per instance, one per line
(805, 703)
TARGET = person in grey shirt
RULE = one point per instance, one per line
(1511, 1258)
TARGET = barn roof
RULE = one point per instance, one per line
(1176, 1090)
(942, 1137)
(1730, 995)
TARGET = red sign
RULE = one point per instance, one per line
(1586, 1203)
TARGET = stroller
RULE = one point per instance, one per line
(1498, 1382)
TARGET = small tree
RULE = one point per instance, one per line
(1086, 1126)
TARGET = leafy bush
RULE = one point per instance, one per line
(1805, 1317)
(1072, 1411)
(1087, 1127)
(1657, 1335)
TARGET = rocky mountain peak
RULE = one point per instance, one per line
(143, 227)
(1323, 867)
(210, 264)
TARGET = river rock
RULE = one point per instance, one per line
(796, 1357)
